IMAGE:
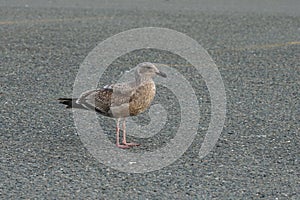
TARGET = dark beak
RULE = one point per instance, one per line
(161, 74)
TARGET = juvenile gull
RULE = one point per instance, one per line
(120, 100)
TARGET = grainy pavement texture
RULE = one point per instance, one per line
(256, 47)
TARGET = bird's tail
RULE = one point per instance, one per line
(70, 102)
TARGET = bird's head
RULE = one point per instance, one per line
(148, 70)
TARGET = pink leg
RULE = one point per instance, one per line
(124, 136)
(118, 138)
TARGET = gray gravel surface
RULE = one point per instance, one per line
(257, 53)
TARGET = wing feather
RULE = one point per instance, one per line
(112, 100)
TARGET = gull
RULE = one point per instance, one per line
(120, 100)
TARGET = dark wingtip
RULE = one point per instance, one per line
(66, 101)
(70, 103)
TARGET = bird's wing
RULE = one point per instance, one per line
(121, 94)
(98, 99)
(110, 96)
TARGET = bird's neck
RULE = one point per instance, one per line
(142, 79)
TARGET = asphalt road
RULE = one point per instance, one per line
(256, 48)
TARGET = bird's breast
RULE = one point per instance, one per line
(142, 98)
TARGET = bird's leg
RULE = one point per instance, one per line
(122, 146)
(124, 136)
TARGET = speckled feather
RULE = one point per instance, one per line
(126, 99)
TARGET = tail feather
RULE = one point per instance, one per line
(70, 102)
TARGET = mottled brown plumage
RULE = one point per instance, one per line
(142, 98)
(122, 99)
